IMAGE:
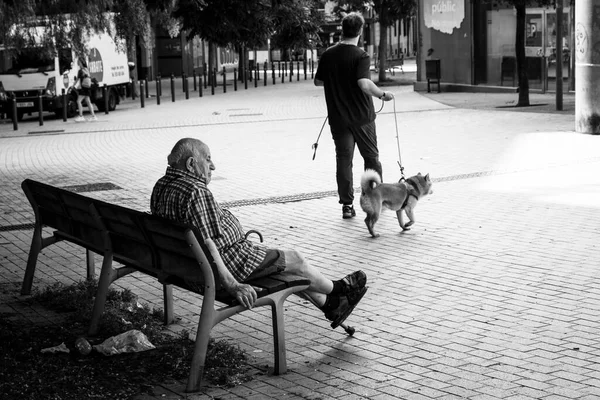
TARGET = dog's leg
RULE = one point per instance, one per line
(405, 227)
(371, 220)
(410, 212)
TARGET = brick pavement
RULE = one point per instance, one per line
(492, 295)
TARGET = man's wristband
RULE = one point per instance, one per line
(382, 96)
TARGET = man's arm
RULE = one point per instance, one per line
(370, 88)
(244, 293)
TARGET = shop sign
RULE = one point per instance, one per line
(443, 15)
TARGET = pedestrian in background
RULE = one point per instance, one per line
(344, 72)
(83, 85)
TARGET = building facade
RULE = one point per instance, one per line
(475, 43)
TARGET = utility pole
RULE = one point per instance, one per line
(559, 57)
(587, 67)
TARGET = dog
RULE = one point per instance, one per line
(401, 196)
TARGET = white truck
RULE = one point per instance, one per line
(29, 74)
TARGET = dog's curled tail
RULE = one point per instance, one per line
(369, 180)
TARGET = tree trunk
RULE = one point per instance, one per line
(132, 57)
(382, 45)
(521, 59)
(212, 61)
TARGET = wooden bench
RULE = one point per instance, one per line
(164, 249)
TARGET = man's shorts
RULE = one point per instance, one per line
(273, 263)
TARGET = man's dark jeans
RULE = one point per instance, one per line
(345, 139)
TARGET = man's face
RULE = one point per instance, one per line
(202, 163)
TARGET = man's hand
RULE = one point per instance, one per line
(387, 96)
(244, 294)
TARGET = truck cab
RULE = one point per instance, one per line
(32, 76)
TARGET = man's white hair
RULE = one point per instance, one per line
(183, 149)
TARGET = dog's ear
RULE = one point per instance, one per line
(427, 177)
(419, 174)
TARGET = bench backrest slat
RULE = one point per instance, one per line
(174, 253)
(64, 211)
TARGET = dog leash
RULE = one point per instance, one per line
(316, 144)
(398, 142)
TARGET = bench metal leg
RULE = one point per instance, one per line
(34, 251)
(168, 302)
(107, 276)
(205, 325)
(37, 244)
(279, 335)
(89, 261)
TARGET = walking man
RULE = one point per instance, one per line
(344, 71)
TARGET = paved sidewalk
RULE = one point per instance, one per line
(494, 293)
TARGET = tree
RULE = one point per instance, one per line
(249, 24)
(52, 25)
(521, 7)
(297, 24)
(388, 12)
(226, 23)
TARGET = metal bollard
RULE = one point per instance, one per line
(159, 85)
(265, 69)
(205, 73)
(291, 70)
(194, 76)
(65, 104)
(297, 71)
(256, 76)
(312, 68)
(213, 81)
(304, 66)
(224, 80)
(200, 87)
(279, 68)
(40, 108)
(157, 90)
(245, 78)
(105, 97)
(273, 72)
(187, 88)
(285, 68)
(235, 79)
(183, 81)
(282, 75)
(147, 91)
(14, 114)
(172, 88)
(142, 94)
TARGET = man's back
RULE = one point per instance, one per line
(340, 68)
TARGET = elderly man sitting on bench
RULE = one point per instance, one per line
(182, 195)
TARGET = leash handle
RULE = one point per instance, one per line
(316, 144)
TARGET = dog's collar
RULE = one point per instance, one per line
(411, 191)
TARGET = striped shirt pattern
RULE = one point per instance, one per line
(184, 197)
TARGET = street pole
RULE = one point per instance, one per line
(559, 58)
(587, 67)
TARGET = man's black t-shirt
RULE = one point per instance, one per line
(340, 68)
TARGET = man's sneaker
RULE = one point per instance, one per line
(80, 119)
(93, 118)
(348, 212)
(354, 282)
(345, 308)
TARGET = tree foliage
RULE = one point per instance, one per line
(51, 25)
(297, 24)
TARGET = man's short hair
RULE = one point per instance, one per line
(183, 149)
(352, 24)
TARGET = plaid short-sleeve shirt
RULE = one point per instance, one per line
(184, 197)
